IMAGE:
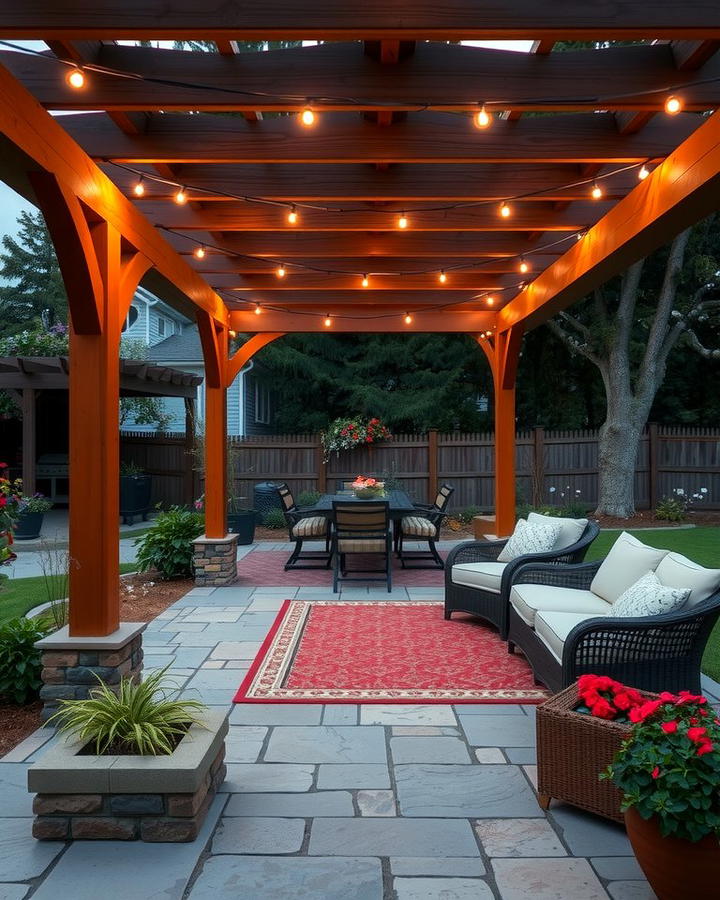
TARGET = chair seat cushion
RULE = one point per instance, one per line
(363, 545)
(312, 526)
(553, 628)
(418, 526)
(627, 560)
(527, 538)
(677, 571)
(528, 599)
(485, 575)
(571, 530)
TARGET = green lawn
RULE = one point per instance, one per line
(699, 544)
(18, 595)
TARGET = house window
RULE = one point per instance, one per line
(262, 404)
(161, 326)
(130, 319)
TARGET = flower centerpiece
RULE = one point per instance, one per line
(368, 488)
(344, 434)
(10, 496)
(668, 771)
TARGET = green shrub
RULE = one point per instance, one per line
(20, 660)
(671, 509)
(467, 514)
(572, 510)
(274, 518)
(167, 546)
(141, 720)
(308, 498)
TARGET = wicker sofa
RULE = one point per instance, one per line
(475, 582)
(566, 629)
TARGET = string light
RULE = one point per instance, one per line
(482, 118)
(524, 267)
(505, 210)
(596, 192)
(402, 221)
(139, 188)
(643, 172)
(442, 277)
(292, 216)
(365, 281)
(280, 271)
(580, 235)
(76, 79)
(258, 309)
(673, 105)
(199, 252)
(490, 301)
(307, 117)
(328, 320)
(180, 196)
(232, 334)
(408, 319)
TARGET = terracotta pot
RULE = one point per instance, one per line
(676, 868)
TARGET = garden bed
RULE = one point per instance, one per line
(143, 596)
(17, 723)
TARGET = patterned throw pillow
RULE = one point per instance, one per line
(648, 597)
(529, 537)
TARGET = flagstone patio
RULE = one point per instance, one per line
(336, 801)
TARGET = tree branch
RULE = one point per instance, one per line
(699, 347)
(574, 345)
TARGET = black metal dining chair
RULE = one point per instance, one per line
(360, 528)
(305, 525)
(423, 525)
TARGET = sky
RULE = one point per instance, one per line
(12, 204)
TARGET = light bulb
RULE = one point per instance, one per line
(580, 235)
(76, 79)
(673, 105)
(643, 172)
(490, 301)
(328, 321)
(139, 188)
(365, 281)
(292, 216)
(524, 267)
(280, 271)
(180, 196)
(408, 319)
(505, 210)
(402, 221)
(307, 117)
(199, 252)
(596, 192)
(442, 277)
(232, 334)
(258, 309)
(482, 118)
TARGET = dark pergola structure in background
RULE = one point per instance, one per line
(391, 213)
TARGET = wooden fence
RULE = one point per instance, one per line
(668, 458)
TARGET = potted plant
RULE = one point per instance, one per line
(240, 520)
(669, 774)
(133, 764)
(31, 514)
(135, 492)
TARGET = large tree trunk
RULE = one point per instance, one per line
(617, 452)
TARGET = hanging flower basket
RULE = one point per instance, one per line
(345, 434)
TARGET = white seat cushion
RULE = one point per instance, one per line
(312, 526)
(571, 530)
(486, 575)
(678, 571)
(628, 560)
(553, 628)
(528, 599)
(417, 526)
(648, 597)
(527, 538)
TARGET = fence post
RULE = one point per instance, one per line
(538, 466)
(653, 463)
(189, 467)
(320, 467)
(433, 463)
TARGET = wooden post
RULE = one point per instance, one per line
(28, 440)
(653, 463)
(321, 467)
(538, 470)
(433, 464)
(215, 461)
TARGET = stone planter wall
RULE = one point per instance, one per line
(215, 560)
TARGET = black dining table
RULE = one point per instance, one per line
(399, 502)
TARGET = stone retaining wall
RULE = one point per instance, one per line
(167, 817)
(215, 560)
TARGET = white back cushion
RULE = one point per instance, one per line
(526, 538)
(571, 530)
(678, 571)
(626, 562)
(647, 597)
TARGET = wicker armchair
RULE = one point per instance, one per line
(652, 653)
(494, 605)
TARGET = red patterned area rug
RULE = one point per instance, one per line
(372, 651)
(265, 568)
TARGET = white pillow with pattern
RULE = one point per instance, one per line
(530, 537)
(649, 597)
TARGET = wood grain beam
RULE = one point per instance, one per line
(448, 77)
(397, 299)
(357, 319)
(298, 282)
(235, 265)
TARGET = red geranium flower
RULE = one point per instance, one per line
(655, 772)
(669, 727)
(705, 747)
(602, 709)
(697, 734)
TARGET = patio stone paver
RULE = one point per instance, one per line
(304, 878)
(276, 714)
(13, 891)
(498, 731)
(244, 743)
(547, 879)
(376, 803)
(259, 835)
(631, 890)
(519, 837)
(464, 791)
(429, 749)
(377, 714)
(424, 730)
(432, 865)
(353, 775)
(340, 714)
(521, 756)
(250, 777)
(441, 889)
(617, 867)
(391, 837)
(326, 744)
(588, 835)
(22, 858)
(14, 797)
(308, 805)
(489, 755)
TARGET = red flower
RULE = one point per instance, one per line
(705, 747)
(623, 701)
(602, 709)
(3, 465)
(667, 696)
(640, 713)
(697, 734)
(655, 772)
(669, 727)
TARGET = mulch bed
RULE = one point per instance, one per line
(646, 519)
(16, 723)
(143, 596)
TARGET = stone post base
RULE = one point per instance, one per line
(215, 560)
(72, 665)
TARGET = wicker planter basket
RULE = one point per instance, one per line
(572, 750)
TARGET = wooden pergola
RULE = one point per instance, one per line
(583, 161)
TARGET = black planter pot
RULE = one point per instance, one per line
(135, 493)
(243, 524)
(28, 526)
